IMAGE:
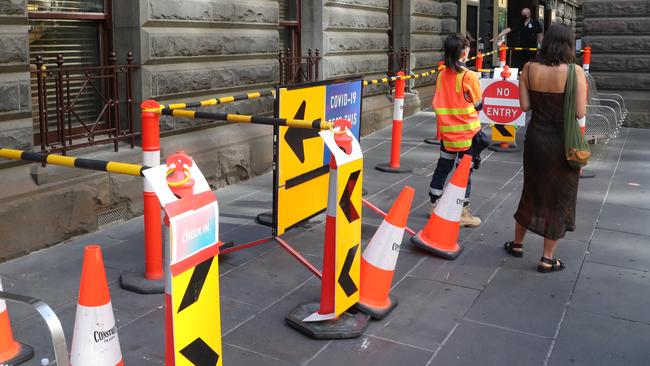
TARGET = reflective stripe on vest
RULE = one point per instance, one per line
(458, 144)
(455, 111)
(464, 127)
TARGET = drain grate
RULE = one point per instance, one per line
(116, 215)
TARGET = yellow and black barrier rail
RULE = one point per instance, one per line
(394, 78)
(72, 162)
(222, 100)
(239, 118)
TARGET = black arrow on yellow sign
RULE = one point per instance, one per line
(200, 354)
(503, 130)
(295, 136)
(195, 285)
(351, 213)
(346, 282)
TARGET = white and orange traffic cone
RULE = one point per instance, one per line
(12, 352)
(440, 234)
(380, 257)
(94, 341)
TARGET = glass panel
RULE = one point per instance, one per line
(84, 6)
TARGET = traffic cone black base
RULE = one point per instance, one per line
(432, 141)
(138, 283)
(350, 324)
(378, 313)
(386, 168)
(510, 148)
(415, 239)
(265, 218)
(25, 353)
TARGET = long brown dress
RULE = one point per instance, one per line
(548, 199)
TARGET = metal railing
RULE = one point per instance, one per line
(84, 106)
(296, 69)
(53, 323)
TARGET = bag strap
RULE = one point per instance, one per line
(570, 94)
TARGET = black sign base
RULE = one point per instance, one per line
(136, 282)
(386, 168)
(350, 324)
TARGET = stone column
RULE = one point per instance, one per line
(16, 125)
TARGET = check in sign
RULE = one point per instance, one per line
(193, 231)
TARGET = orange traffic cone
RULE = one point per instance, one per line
(94, 341)
(12, 352)
(440, 234)
(379, 259)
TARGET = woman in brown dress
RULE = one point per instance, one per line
(548, 198)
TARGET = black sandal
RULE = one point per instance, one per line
(510, 249)
(556, 265)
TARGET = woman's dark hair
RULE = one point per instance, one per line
(454, 45)
(558, 46)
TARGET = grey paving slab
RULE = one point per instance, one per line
(613, 291)
(245, 234)
(125, 230)
(473, 268)
(143, 340)
(474, 344)
(426, 313)
(268, 334)
(625, 219)
(370, 351)
(235, 355)
(591, 339)
(620, 249)
(234, 313)
(523, 301)
(264, 279)
(571, 252)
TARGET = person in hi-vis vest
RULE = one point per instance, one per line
(456, 102)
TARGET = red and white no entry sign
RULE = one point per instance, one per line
(501, 103)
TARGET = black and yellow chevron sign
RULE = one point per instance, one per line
(348, 235)
(195, 316)
(503, 133)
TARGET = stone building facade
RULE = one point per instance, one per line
(619, 33)
(199, 49)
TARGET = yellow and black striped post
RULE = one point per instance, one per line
(222, 100)
(238, 118)
(72, 162)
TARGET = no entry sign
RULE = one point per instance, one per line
(501, 103)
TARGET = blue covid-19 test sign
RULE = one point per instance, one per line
(344, 101)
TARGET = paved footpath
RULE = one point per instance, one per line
(485, 308)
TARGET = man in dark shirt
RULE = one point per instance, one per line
(530, 36)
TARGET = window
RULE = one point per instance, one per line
(289, 29)
(78, 30)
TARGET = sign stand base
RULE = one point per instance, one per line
(136, 282)
(432, 141)
(386, 168)
(504, 147)
(350, 324)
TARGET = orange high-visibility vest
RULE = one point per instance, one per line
(457, 118)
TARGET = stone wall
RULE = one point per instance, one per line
(431, 22)
(619, 33)
(16, 130)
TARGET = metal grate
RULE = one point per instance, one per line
(113, 216)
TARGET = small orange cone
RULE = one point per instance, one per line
(94, 341)
(380, 257)
(440, 234)
(12, 352)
